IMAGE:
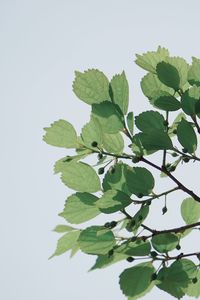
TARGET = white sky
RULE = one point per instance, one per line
(42, 43)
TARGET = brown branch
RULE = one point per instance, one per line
(179, 184)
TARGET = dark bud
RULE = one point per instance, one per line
(135, 159)
(164, 210)
(100, 155)
(130, 259)
(110, 252)
(185, 150)
(113, 224)
(94, 144)
(174, 131)
(140, 217)
(140, 195)
(101, 171)
(133, 239)
(107, 225)
(153, 276)
(165, 123)
(194, 280)
(186, 159)
(178, 247)
(174, 154)
(153, 254)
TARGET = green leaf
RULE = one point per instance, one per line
(165, 101)
(63, 228)
(136, 280)
(168, 75)
(104, 261)
(113, 143)
(108, 115)
(138, 219)
(182, 67)
(149, 120)
(113, 201)
(80, 207)
(61, 134)
(164, 242)
(92, 132)
(175, 279)
(116, 180)
(120, 91)
(151, 86)
(137, 146)
(138, 248)
(92, 86)
(190, 210)
(175, 123)
(60, 164)
(80, 177)
(187, 136)
(156, 140)
(130, 121)
(149, 60)
(194, 288)
(194, 72)
(66, 242)
(139, 181)
(92, 241)
(190, 100)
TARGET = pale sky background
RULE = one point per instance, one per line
(42, 43)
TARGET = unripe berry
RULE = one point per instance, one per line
(101, 171)
(164, 210)
(113, 224)
(186, 159)
(178, 247)
(194, 280)
(174, 154)
(140, 195)
(110, 252)
(94, 144)
(135, 159)
(133, 239)
(174, 131)
(153, 254)
(107, 225)
(130, 259)
(185, 150)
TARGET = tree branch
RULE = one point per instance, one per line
(179, 184)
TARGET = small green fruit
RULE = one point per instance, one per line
(174, 154)
(113, 224)
(186, 159)
(94, 144)
(165, 123)
(130, 259)
(140, 195)
(110, 252)
(107, 225)
(194, 280)
(135, 159)
(164, 210)
(185, 150)
(101, 171)
(178, 247)
(133, 239)
(153, 254)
